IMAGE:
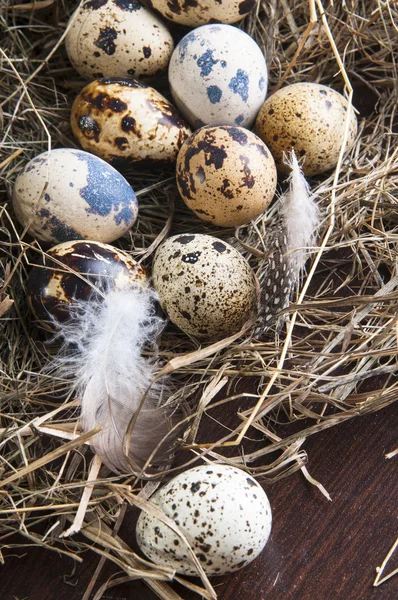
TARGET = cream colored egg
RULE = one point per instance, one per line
(68, 194)
(127, 122)
(205, 285)
(218, 76)
(226, 175)
(223, 513)
(193, 14)
(309, 118)
(118, 38)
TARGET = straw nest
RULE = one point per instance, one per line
(334, 359)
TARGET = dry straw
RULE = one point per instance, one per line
(336, 356)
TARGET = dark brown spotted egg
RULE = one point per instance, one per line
(226, 175)
(127, 122)
(117, 38)
(193, 14)
(68, 194)
(223, 512)
(73, 271)
(205, 285)
(310, 119)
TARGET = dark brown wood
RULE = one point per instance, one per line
(318, 550)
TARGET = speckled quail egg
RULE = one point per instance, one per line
(118, 38)
(205, 285)
(309, 118)
(222, 511)
(218, 76)
(68, 194)
(127, 122)
(193, 14)
(77, 268)
(226, 175)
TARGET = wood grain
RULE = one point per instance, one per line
(318, 550)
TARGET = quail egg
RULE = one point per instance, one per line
(127, 122)
(309, 118)
(72, 270)
(68, 194)
(205, 285)
(118, 38)
(193, 14)
(223, 512)
(226, 175)
(218, 76)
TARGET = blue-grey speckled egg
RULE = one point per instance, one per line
(222, 511)
(85, 198)
(218, 76)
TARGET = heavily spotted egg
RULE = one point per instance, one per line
(205, 285)
(118, 38)
(226, 175)
(309, 118)
(68, 194)
(218, 76)
(193, 14)
(72, 271)
(222, 511)
(127, 122)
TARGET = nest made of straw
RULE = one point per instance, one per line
(336, 357)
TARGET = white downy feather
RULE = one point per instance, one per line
(300, 216)
(103, 343)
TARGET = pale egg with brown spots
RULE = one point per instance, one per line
(310, 119)
(224, 514)
(74, 271)
(127, 122)
(68, 194)
(226, 175)
(193, 14)
(205, 285)
(118, 38)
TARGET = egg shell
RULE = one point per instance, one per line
(193, 14)
(223, 512)
(218, 76)
(309, 118)
(205, 285)
(88, 265)
(226, 175)
(85, 198)
(127, 122)
(118, 38)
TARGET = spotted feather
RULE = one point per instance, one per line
(288, 242)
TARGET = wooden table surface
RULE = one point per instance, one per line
(318, 550)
